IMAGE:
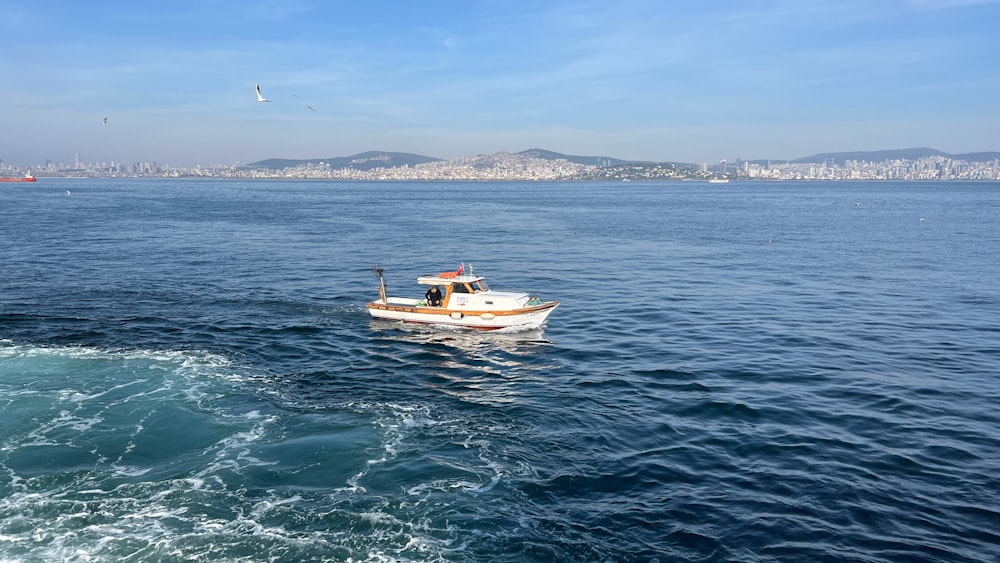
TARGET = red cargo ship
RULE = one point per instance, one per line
(27, 178)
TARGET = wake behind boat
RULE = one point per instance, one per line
(466, 301)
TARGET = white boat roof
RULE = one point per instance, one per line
(438, 280)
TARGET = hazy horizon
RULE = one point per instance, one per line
(638, 80)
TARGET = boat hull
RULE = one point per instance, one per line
(27, 179)
(528, 317)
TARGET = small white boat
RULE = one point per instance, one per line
(467, 302)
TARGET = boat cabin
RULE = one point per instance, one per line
(472, 293)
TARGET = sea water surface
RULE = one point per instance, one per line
(741, 372)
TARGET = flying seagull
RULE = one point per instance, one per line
(260, 97)
(105, 120)
(296, 96)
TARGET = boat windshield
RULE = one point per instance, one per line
(473, 287)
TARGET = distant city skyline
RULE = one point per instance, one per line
(541, 165)
(638, 79)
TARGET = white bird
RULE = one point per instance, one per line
(260, 97)
(857, 204)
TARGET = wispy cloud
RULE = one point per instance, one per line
(948, 4)
(440, 37)
(276, 10)
(581, 69)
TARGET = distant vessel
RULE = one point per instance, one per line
(26, 178)
(718, 181)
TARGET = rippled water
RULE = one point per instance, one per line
(751, 372)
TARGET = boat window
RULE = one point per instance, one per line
(460, 288)
(481, 286)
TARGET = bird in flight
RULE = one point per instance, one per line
(105, 120)
(260, 97)
(296, 96)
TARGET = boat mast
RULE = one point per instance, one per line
(377, 270)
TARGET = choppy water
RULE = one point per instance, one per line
(748, 372)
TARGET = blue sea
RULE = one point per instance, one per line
(745, 372)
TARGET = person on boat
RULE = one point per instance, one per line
(433, 296)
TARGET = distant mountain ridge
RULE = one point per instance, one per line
(894, 154)
(362, 161)
(381, 159)
(585, 160)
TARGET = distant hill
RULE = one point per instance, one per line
(599, 161)
(585, 160)
(362, 161)
(381, 159)
(977, 156)
(896, 154)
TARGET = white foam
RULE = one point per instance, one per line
(205, 512)
(129, 471)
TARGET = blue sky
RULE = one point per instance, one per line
(635, 79)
